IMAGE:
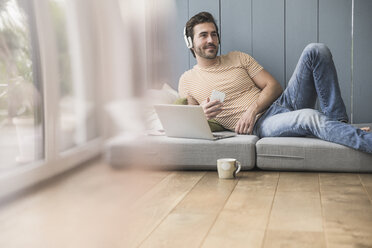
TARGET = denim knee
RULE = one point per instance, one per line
(317, 49)
(310, 119)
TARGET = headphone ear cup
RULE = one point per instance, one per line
(187, 39)
(189, 43)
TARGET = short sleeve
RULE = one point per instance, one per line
(251, 65)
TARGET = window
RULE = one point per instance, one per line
(21, 136)
(77, 118)
(48, 101)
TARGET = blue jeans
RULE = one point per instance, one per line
(292, 114)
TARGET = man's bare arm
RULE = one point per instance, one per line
(271, 90)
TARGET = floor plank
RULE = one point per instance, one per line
(209, 195)
(243, 220)
(156, 205)
(294, 239)
(366, 180)
(296, 211)
(347, 211)
(296, 216)
(301, 182)
(234, 230)
(92, 203)
(97, 206)
(194, 215)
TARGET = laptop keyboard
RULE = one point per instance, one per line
(223, 135)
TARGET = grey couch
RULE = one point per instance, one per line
(289, 153)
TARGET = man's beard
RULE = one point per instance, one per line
(202, 52)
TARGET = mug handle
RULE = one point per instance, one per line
(238, 169)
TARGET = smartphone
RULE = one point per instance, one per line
(217, 95)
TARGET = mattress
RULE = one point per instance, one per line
(179, 153)
(310, 154)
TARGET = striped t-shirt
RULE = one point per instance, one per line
(232, 74)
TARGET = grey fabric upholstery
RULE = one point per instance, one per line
(179, 153)
(301, 154)
(310, 154)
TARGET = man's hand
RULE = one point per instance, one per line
(271, 90)
(211, 108)
(246, 123)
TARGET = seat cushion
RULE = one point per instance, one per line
(179, 153)
(310, 154)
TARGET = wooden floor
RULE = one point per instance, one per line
(97, 206)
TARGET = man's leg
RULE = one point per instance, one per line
(306, 122)
(315, 76)
(291, 115)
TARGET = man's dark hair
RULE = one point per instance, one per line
(199, 18)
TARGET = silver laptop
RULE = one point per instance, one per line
(187, 121)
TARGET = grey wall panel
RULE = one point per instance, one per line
(335, 31)
(211, 6)
(275, 32)
(180, 53)
(301, 29)
(268, 36)
(362, 96)
(236, 26)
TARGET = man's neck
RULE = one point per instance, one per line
(203, 63)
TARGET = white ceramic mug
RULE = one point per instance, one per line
(228, 167)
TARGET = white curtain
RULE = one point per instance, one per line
(133, 56)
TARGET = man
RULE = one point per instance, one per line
(255, 102)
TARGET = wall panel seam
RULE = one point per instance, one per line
(352, 65)
(317, 22)
(220, 24)
(188, 18)
(285, 44)
(252, 27)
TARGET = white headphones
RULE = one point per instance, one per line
(188, 39)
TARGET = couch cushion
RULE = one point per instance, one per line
(310, 154)
(179, 153)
